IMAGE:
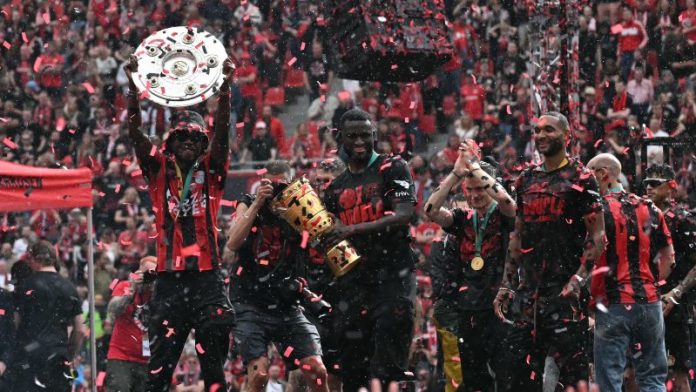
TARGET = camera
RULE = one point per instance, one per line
(149, 276)
(309, 299)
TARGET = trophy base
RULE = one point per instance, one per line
(342, 258)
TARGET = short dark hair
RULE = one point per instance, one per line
(354, 114)
(275, 168)
(43, 252)
(561, 119)
(20, 271)
(660, 170)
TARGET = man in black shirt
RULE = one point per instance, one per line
(317, 71)
(262, 146)
(660, 186)
(46, 304)
(558, 234)
(373, 200)
(266, 287)
(480, 236)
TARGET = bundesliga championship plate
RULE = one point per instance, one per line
(179, 66)
(302, 208)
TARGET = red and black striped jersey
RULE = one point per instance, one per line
(627, 271)
(187, 235)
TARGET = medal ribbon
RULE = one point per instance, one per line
(183, 192)
(480, 230)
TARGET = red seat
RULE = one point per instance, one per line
(449, 106)
(275, 96)
(294, 78)
(427, 124)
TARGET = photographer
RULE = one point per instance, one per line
(266, 288)
(129, 349)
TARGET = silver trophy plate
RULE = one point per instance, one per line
(179, 66)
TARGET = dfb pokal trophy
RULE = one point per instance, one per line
(302, 208)
(179, 66)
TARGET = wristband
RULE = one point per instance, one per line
(457, 175)
(502, 288)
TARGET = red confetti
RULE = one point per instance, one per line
(7, 45)
(263, 262)
(617, 28)
(46, 17)
(113, 284)
(509, 110)
(240, 125)
(394, 66)
(305, 238)
(600, 270)
(525, 251)
(292, 61)
(228, 203)
(100, 379)
(578, 188)
(2, 312)
(24, 37)
(153, 151)
(529, 357)
(302, 46)
(261, 172)
(239, 270)
(288, 351)
(199, 349)
(9, 143)
(532, 376)
(170, 332)
(37, 64)
(159, 369)
(88, 87)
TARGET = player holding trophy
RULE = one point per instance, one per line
(180, 67)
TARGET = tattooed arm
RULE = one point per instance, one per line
(510, 275)
(434, 206)
(118, 305)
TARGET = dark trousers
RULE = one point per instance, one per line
(181, 302)
(548, 326)
(478, 333)
(36, 375)
(125, 376)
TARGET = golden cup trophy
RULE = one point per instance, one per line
(302, 208)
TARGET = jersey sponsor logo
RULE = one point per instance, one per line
(402, 183)
(543, 209)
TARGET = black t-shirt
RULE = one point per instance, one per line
(552, 206)
(269, 258)
(318, 70)
(366, 197)
(260, 147)
(682, 225)
(476, 289)
(46, 303)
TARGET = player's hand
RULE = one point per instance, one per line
(228, 69)
(131, 67)
(502, 302)
(668, 301)
(264, 191)
(3, 367)
(571, 289)
(462, 166)
(338, 233)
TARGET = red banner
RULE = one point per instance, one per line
(33, 188)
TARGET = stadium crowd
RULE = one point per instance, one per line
(63, 105)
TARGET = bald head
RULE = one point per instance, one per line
(607, 168)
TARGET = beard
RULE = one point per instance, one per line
(555, 146)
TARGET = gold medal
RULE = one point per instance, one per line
(477, 263)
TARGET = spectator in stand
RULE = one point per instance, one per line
(50, 67)
(472, 97)
(277, 130)
(246, 77)
(632, 37)
(132, 243)
(318, 71)
(129, 349)
(688, 22)
(261, 147)
(642, 93)
(130, 207)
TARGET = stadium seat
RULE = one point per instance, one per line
(294, 78)
(275, 96)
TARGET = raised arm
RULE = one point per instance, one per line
(141, 143)
(246, 216)
(220, 145)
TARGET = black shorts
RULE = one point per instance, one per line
(256, 326)
(677, 339)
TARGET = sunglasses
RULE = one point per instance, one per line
(184, 134)
(654, 182)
